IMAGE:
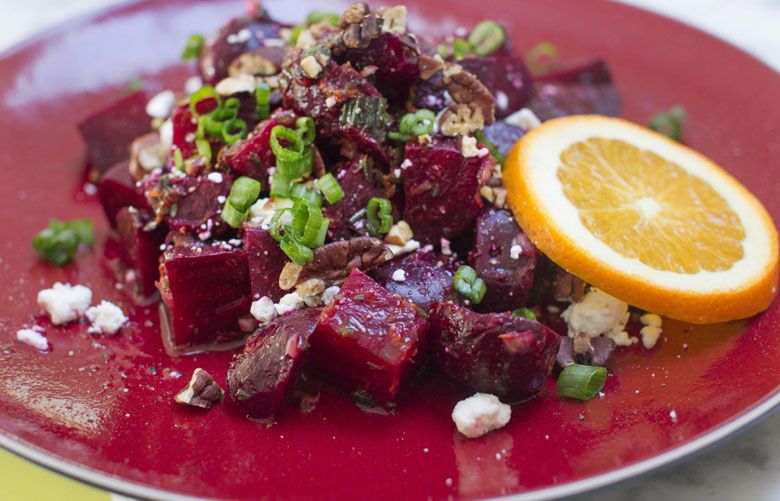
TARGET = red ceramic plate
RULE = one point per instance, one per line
(101, 409)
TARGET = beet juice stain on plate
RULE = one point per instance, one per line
(105, 413)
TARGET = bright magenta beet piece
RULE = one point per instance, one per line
(369, 340)
(205, 289)
(109, 131)
(441, 189)
(252, 156)
(498, 353)
(505, 76)
(140, 253)
(117, 189)
(262, 377)
(266, 261)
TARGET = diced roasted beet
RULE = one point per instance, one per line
(231, 41)
(117, 189)
(503, 135)
(198, 208)
(266, 261)
(395, 59)
(441, 189)
(360, 182)
(184, 128)
(427, 277)
(252, 156)
(557, 100)
(141, 252)
(508, 274)
(369, 339)
(205, 289)
(109, 132)
(595, 71)
(505, 75)
(497, 353)
(264, 375)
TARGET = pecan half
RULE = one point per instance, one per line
(429, 65)
(466, 88)
(147, 153)
(202, 391)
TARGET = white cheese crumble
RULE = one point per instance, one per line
(263, 310)
(599, 313)
(673, 415)
(215, 177)
(289, 302)
(480, 414)
(64, 302)
(235, 85)
(650, 336)
(399, 275)
(193, 84)
(524, 118)
(399, 250)
(34, 338)
(166, 134)
(161, 105)
(651, 319)
(445, 247)
(329, 294)
(107, 318)
(502, 100)
(515, 251)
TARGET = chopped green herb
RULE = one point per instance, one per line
(319, 16)
(379, 216)
(542, 58)
(486, 38)
(525, 313)
(490, 145)
(468, 284)
(193, 48)
(581, 382)
(59, 242)
(670, 123)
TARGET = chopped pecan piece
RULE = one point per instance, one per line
(461, 119)
(334, 261)
(585, 350)
(567, 286)
(202, 391)
(147, 153)
(258, 62)
(466, 88)
(429, 65)
(354, 13)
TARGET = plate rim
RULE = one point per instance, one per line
(697, 445)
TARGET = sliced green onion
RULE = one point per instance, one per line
(486, 37)
(275, 226)
(323, 234)
(280, 185)
(201, 97)
(461, 48)
(244, 192)
(443, 50)
(581, 382)
(379, 217)
(542, 58)
(305, 129)
(178, 160)
(525, 313)
(294, 148)
(490, 145)
(204, 149)
(59, 242)
(232, 103)
(263, 98)
(234, 130)
(319, 16)
(193, 48)
(301, 192)
(295, 32)
(468, 284)
(294, 168)
(398, 137)
(233, 216)
(330, 188)
(309, 227)
(670, 123)
(296, 251)
(418, 123)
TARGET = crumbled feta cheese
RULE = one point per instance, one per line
(400, 233)
(651, 319)
(406, 164)
(394, 20)
(330, 293)
(524, 118)
(221, 199)
(311, 67)
(621, 337)
(289, 302)
(166, 134)
(399, 275)
(64, 302)
(215, 177)
(193, 84)
(597, 313)
(515, 251)
(161, 105)
(502, 100)
(479, 414)
(399, 250)
(673, 415)
(34, 338)
(107, 318)
(263, 310)
(650, 335)
(468, 146)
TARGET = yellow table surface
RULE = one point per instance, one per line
(22, 480)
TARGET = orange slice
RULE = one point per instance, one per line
(643, 218)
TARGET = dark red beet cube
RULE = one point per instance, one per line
(497, 353)
(554, 100)
(205, 289)
(184, 128)
(264, 375)
(109, 132)
(507, 274)
(595, 71)
(231, 41)
(441, 189)
(117, 189)
(198, 208)
(266, 261)
(141, 253)
(252, 156)
(427, 277)
(505, 76)
(369, 339)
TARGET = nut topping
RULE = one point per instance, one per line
(202, 391)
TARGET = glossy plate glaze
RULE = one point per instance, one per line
(101, 409)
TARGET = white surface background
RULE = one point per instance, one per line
(745, 468)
